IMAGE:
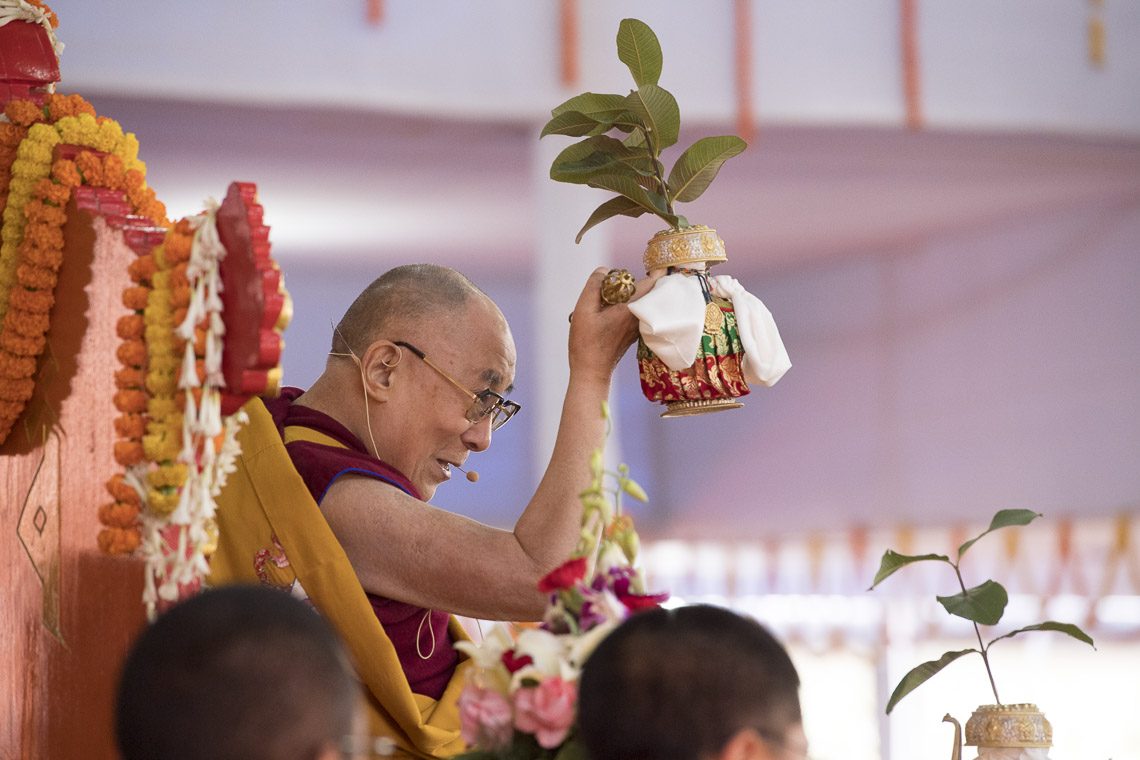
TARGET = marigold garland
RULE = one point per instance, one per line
(174, 444)
(34, 190)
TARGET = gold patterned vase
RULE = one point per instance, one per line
(715, 380)
(1017, 731)
(1009, 726)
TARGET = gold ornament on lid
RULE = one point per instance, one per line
(684, 247)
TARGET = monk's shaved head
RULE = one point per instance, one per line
(406, 295)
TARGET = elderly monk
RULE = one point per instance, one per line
(329, 497)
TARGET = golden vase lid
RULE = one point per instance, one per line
(690, 245)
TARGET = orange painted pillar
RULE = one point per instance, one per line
(68, 612)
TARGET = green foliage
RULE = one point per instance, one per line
(983, 604)
(646, 122)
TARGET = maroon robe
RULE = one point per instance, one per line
(319, 466)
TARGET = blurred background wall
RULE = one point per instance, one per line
(942, 215)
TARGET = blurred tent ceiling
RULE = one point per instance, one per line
(959, 299)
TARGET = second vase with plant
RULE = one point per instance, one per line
(999, 731)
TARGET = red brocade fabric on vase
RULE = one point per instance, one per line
(716, 374)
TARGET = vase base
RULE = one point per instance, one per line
(699, 406)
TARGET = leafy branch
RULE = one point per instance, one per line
(981, 605)
(624, 136)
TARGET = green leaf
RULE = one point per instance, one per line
(627, 186)
(699, 164)
(892, 561)
(1052, 625)
(983, 604)
(639, 49)
(592, 104)
(636, 139)
(574, 124)
(1003, 519)
(599, 155)
(657, 109)
(613, 207)
(921, 674)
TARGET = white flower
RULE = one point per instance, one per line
(490, 653)
(612, 556)
(584, 645)
(544, 648)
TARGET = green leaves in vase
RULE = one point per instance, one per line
(982, 605)
(624, 136)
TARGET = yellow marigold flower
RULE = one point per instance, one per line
(162, 502)
(160, 447)
(173, 474)
(162, 407)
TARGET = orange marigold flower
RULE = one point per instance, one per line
(16, 366)
(142, 269)
(41, 213)
(25, 113)
(35, 301)
(134, 297)
(134, 180)
(53, 193)
(43, 234)
(155, 210)
(25, 323)
(16, 388)
(66, 172)
(130, 426)
(49, 258)
(22, 345)
(12, 134)
(91, 167)
(131, 353)
(31, 276)
(130, 401)
(118, 515)
(121, 490)
(130, 377)
(177, 249)
(180, 297)
(119, 540)
(114, 174)
(130, 326)
(179, 316)
(60, 106)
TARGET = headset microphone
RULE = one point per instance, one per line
(471, 474)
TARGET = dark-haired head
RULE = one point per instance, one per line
(241, 673)
(687, 684)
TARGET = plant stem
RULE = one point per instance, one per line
(981, 647)
(658, 170)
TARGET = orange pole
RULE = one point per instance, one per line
(568, 28)
(375, 12)
(908, 23)
(742, 28)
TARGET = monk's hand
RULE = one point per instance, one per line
(601, 333)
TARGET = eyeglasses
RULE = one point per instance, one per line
(485, 403)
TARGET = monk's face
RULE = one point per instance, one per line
(427, 427)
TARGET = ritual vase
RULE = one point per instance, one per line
(1005, 732)
(715, 380)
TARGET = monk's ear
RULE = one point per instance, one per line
(382, 361)
(746, 744)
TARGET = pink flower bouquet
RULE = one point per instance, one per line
(520, 702)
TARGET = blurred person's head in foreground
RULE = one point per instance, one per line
(241, 673)
(692, 683)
